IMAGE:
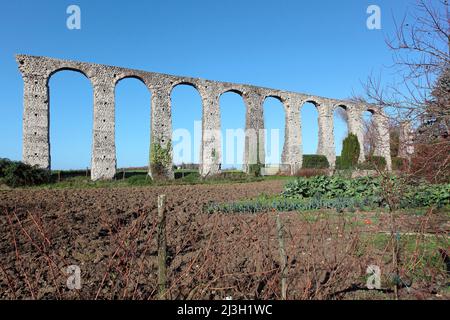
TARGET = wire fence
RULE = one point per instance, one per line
(216, 256)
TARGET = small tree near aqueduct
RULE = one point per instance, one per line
(350, 152)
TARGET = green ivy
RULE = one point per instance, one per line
(160, 158)
(214, 154)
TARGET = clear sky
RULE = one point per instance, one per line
(319, 47)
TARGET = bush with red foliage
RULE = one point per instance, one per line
(432, 161)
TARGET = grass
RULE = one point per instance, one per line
(420, 212)
(79, 179)
(418, 253)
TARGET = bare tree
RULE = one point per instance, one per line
(421, 89)
(370, 136)
(419, 95)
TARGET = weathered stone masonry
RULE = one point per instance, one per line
(36, 72)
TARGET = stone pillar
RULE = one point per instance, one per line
(161, 163)
(406, 140)
(210, 150)
(377, 150)
(292, 149)
(254, 152)
(383, 141)
(326, 134)
(103, 158)
(355, 126)
(36, 116)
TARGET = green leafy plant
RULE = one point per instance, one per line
(426, 195)
(325, 187)
(285, 205)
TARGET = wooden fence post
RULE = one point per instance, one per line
(162, 246)
(283, 258)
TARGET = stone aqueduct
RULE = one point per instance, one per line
(36, 72)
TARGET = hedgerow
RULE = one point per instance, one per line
(314, 161)
(19, 174)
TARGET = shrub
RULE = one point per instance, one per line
(338, 163)
(4, 163)
(313, 161)
(350, 152)
(254, 169)
(18, 174)
(398, 163)
(430, 160)
(373, 163)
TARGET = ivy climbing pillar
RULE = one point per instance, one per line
(161, 166)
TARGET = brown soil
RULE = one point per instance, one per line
(111, 235)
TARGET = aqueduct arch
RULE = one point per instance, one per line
(36, 72)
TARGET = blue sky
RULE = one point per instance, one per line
(320, 47)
